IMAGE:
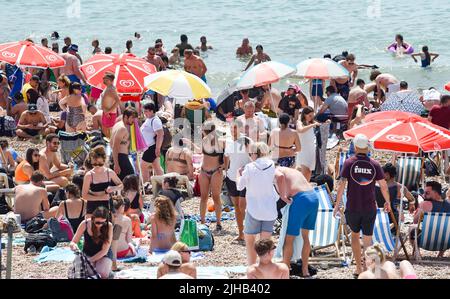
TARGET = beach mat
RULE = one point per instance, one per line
(211, 216)
(140, 257)
(142, 272)
(55, 254)
(156, 257)
(16, 241)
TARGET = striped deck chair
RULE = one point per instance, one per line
(412, 167)
(435, 234)
(326, 232)
(382, 231)
(340, 159)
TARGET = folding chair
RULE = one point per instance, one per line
(73, 147)
(327, 228)
(435, 235)
(339, 163)
(4, 188)
(412, 167)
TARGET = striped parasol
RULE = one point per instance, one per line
(26, 53)
(263, 74)
(320, 68)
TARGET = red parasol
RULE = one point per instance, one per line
(28, 54)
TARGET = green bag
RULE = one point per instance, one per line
(189, 234)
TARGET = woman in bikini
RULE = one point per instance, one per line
(258, 58)
(179, 160)
(211, 176)
(63, 87)
(98, 183)
(284, 142)
(163, 222)
(122, 245)
(76, 109)
(134, 204)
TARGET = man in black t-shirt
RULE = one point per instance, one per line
(290, 104)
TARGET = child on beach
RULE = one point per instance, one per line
(425, 56)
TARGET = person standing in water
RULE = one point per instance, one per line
(203, 45)
(259, 57)
(425, 56)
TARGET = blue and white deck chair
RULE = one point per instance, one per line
(382, 231)
(340, 159)
(435, 234)
(412, 167)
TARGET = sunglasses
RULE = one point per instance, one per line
(100, 222)
(98, 164)
(56, 143)
(36, 155)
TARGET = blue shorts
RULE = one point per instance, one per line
(302, 212)
(254, 227)
(317, 88)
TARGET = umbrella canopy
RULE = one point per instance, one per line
(403, 101)
(228, 91)
(447, 86)
(386, 115)
(320, 68)
(263, 74)
(408, 133)
(28, 54)
(177, 84)
(128, 69)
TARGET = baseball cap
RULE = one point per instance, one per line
(32, 107)
(73, 47)
(172, 258)
(361, 141)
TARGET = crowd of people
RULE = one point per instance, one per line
(261, 166)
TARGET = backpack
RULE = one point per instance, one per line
(61, 229)
(206, 239)
(39, 240)
(7, 126)
(167, 139)
(296, 268)
(35, 224)
(82, 268)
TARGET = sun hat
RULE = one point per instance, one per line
(172, 258)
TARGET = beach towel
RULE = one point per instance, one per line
(157, 257)
(142, 272)
(211, 217)
(55, 254)
(140, 257)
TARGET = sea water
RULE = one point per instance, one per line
(290, 30)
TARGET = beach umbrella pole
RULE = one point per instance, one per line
(273, 104)
(400, 213)
(141, 178)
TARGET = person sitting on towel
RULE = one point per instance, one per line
(186, 267)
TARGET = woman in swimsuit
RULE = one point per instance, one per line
(63, 87)
(163, 222)
(98, 234)
(211, 176)
(122, 245)
(425, 57)
(76, 109)
(284, 142)
(98, 183)
(133, 203)
(258, 58)
(73, 208)
(179, 160)
(305, 129)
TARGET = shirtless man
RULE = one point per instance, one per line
(72, 67)
(32, 123)
(357, 95)
(32, 199)
(154, 59)
(385, 82)
(4, 91)
(110, 104)
(344, 84)
(203, 46)
(253, 126)
(265, 268)
(271, 100)
(258, 58)
(194, 64)
(120, 141)
(96, 118)
(184, 45)
(19, 108)
(49, 160)
(293, 187)
(174, 58)
(245, 49)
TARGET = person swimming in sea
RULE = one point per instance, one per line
(425, 56)
(400, 46)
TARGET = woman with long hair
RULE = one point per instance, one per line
(98, 233)
(284, 142)
(134, 204)
(163, 222)
(211, 176)
(75, 106)
(306, 158)
(73, 208)
(99, 182)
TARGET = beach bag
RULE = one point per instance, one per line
(7, 126)
(61, 229)
(167, 139)
(39, 240)
(189, 234)
(82, 268)
(296, 269)
(35, 224)
(205, 237)
(60, 196)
